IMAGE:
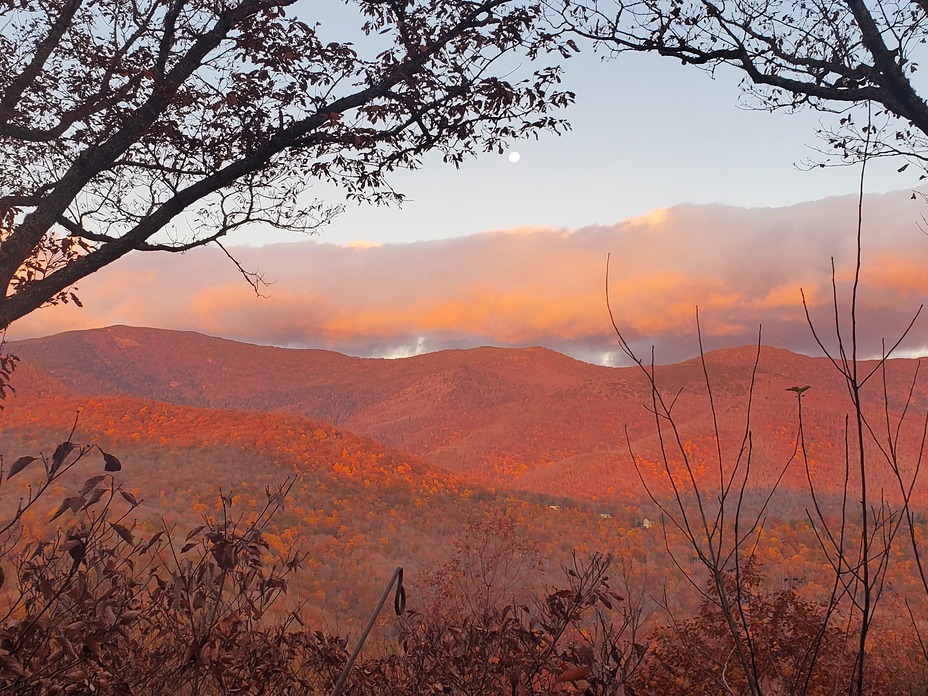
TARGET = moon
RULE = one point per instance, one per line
(514, 157)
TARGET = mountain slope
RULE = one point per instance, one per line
(357, 508)
(524, 418)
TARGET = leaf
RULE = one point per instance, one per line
(151, 542)
(76, 549)
(11, 664)
(65, 504)
(187, 547)
(90, 483)
(93, 499)
(111, 463)
(61, 453)
(46, 588)
(131, 499)
(572, 674)
(73, 503)
(903, 168)
(225, 555)
(195, 531)
(128, 616)
(19, 465)
(123, 532)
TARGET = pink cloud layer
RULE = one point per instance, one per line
(741, 267)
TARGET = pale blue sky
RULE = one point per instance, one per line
(647, 133)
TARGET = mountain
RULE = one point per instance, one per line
(356, 508)
(469, 434)
(529, 419)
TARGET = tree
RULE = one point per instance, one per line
(858, 534)
(841, 58)
(165, 124)
(697, 654)
(102, 606)
(829, 56)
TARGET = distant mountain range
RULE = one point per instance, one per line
(392, 459)
(529, 419)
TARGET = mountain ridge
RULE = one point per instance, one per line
(501, 416)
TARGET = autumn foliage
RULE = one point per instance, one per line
(99, 604)
(192, 571)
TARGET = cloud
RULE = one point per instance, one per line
(544, 286)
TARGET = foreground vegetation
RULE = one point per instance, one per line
(100, 606)
(107, 601)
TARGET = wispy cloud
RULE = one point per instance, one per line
(741, 267)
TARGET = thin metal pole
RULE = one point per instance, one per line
(399, 604)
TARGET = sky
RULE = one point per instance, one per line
(700, 202)
(647, 133)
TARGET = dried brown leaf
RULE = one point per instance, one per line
(123, 532)
(19, 465)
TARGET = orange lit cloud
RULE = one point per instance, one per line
(741, 267)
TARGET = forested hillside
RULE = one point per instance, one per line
(529, 446)
(528, 419)
(358, 508)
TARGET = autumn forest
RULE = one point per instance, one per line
(443, 462)
(184, 515)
